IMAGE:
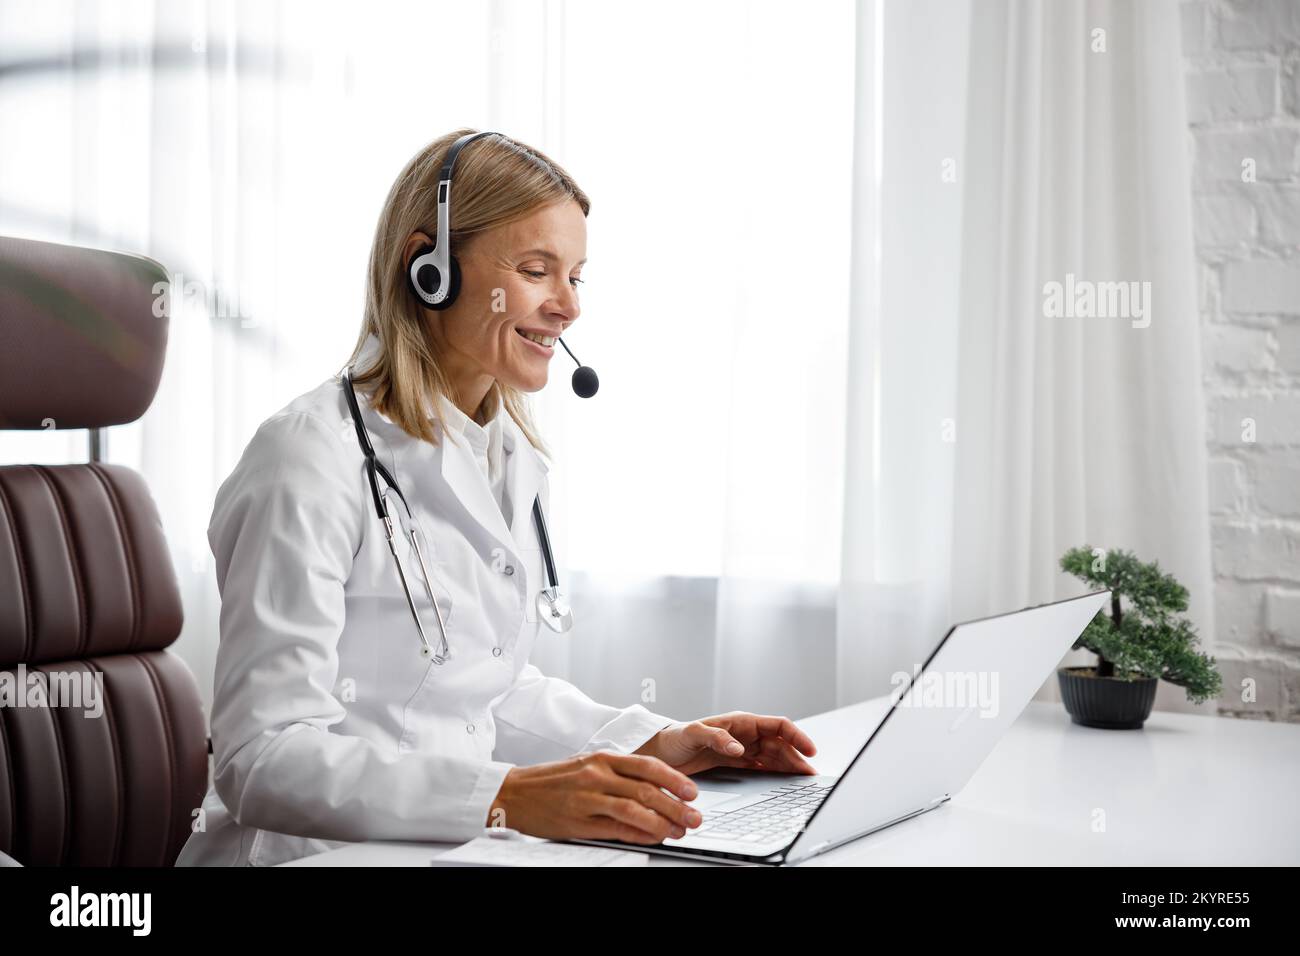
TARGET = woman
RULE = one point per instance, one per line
(335, 717)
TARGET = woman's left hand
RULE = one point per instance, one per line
(737, 739)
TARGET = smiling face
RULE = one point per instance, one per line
(519, 284)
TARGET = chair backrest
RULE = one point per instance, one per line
(103, 752)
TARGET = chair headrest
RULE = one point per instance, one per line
(80, 343)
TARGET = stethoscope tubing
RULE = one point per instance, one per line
(552, 605)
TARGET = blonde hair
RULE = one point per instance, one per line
(497, 181)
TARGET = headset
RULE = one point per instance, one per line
(434, 273)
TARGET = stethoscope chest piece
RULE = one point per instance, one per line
(553, 608)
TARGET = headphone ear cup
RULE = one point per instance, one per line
(427, 278)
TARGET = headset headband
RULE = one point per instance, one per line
(456, 147)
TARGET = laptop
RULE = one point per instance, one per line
(923, 744)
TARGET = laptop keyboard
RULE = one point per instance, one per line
(783, 811)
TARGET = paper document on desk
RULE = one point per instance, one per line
(530, 851)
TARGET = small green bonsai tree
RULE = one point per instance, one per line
(1147, 638)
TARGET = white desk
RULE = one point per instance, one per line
(1185, 790)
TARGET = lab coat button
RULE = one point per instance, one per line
(509, 569)
(496, 652)
(469, 728)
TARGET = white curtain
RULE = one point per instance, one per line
(988, 437)
(1113, 407)
(832, 417)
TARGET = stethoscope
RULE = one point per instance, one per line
(552, 606)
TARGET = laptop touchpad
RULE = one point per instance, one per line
(712, 799)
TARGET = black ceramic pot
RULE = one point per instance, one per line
(1107, 702)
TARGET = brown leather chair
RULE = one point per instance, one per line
(86, 581)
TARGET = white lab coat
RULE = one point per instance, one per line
(327, 725)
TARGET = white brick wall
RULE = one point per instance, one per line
(1242, 60)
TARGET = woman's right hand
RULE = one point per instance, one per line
(597, 796)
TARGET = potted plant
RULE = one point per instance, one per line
(1140, 640)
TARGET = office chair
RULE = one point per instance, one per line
(87, 588)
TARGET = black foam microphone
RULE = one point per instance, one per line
(585, 382)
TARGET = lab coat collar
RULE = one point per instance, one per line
(525, 471)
